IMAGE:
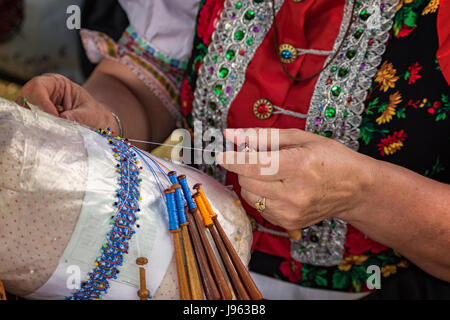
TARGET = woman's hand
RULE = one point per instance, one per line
(61, 97)
(317, 178)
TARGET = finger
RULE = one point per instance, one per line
(251, 198)
(269, 138)
(269, 213)
(268, 189)
(37, 94)
(262, 166)
(81, 115)
(265, 166)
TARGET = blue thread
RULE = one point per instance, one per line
(173, 177)
(187, 193)
(111, 257)
(171, 208)
(180, 206)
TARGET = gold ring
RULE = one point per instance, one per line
(260, 205)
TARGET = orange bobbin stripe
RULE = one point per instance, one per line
(203, 210)
(207, 204)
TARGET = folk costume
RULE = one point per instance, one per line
(373, 75)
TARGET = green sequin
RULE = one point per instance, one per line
(218, 89)
(350, 54)
(249, 41)
(238, 5)
(342, 72)
(223, 73)
(230, 54)
(239, 35)
(213, 106)
(333, 69)
(223, 100)
(328, 134)
(330, 112)
(249, 15)
(358, 33)
(364, 15)
(335, 91)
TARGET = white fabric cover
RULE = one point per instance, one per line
(46, 155)
(167, 25)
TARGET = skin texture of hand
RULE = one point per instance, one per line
(319, 178)
(54, 92)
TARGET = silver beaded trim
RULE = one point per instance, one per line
(208, 107)
(323, 244)
(348, 105)
(231, 21)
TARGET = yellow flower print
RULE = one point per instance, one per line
(402, 264)
(424, 101)
(351, 260)
(386, 116)
(388, 270)
(400, 4)
(431, 7)
(386, 76)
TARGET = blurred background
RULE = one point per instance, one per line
(34, 39)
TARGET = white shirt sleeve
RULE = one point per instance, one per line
(167, 25)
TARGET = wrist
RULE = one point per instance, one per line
(366, 182)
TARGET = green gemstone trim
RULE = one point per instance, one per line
(249, 15)
(350, 54)
(218, 89)
(342, 72)
(330, 112)
(223, 73)
(239, 35)
(335, 91)
(358, 33)
(230, 54)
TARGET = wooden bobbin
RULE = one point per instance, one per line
(2, 292)
(181, 271)
(194, 280)
(209, 285)
(242, 271)
(143, 292)
(241, 294)
(221, 282)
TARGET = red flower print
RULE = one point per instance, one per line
(186, 96)
(391, 144)
(433, 108)
(405, 31)
(208, 18)
(197, 65)
(413, 73)
(358, 243)
(291, 269)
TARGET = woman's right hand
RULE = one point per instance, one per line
(61, 97)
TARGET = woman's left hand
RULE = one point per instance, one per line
(317, 177)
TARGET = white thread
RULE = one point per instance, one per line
(301, 52)
(289, 113)
(270, 231)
